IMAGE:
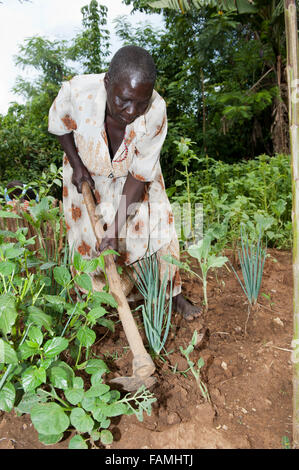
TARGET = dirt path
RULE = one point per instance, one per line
(249, 377)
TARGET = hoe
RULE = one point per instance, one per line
(143, 366)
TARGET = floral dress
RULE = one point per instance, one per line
(80, 108)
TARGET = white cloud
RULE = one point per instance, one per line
(54, 19)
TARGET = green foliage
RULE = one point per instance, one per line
(207, 260)
(26, 147)
(252, 258)
(91, 46)
(242, 6)
(195, 371)
(156, 314)
(44, 336)
(255, 192)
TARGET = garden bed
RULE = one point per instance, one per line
(249, 377)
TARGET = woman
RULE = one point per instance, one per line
(112, 127)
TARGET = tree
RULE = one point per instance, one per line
(48, 59)
(91, 46)
(241, 6)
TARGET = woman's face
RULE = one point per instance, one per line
(127, 99)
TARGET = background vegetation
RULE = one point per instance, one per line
(222, 74)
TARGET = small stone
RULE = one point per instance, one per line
(24, 426)
(278, 321)
(238, 329)
(173, 418)
(244, 411)
(225, 427)
(253, 409)
(224, 365)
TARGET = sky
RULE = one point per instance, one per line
(53, 19)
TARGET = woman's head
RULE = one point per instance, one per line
(129, 83)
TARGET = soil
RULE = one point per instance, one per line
(248, 374)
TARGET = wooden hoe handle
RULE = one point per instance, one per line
(143, 365)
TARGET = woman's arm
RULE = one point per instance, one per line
(132, 193)
(80, 172)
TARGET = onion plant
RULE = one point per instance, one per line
(155, 311)
(252, 259)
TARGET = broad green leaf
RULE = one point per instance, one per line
(97, 390)
(78, 262)
(7, 397)
(95, 435)
(28, 400)
(106, 437)
(8, 313)
(77, 442)
(7, 268)
(49, 419)
(55, 346)
(89, 403)
(62, 275)
(27, 350)
(86, 336)
(116, 409)
(7, 354)
(90, 265)
(60, 377)
(55, 299)
(81, 420)
(106, 323)
(97, 377)
(96, 365)
(78, 383)
(84, 281)
(105, 423)
(216, 261)
(14, 252)
(49, 439)
(104, 298)
(32, 377)
(74, 395)
(96, 313)
(36, 335)
(39, 318)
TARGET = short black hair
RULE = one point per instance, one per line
(131, 59)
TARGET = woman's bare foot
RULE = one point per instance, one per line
(185, 308)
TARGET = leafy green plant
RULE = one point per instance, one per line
(46, 340)
(156, 314)
(200, 363)
(207, 260)
(68, 405)
(252, 258)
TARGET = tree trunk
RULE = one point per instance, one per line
(279, 128)
(293, 93)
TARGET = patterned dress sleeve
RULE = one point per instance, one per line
(148, 144)
(61, 115)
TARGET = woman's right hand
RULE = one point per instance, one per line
(80, 174)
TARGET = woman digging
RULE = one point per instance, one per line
(111, 127)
